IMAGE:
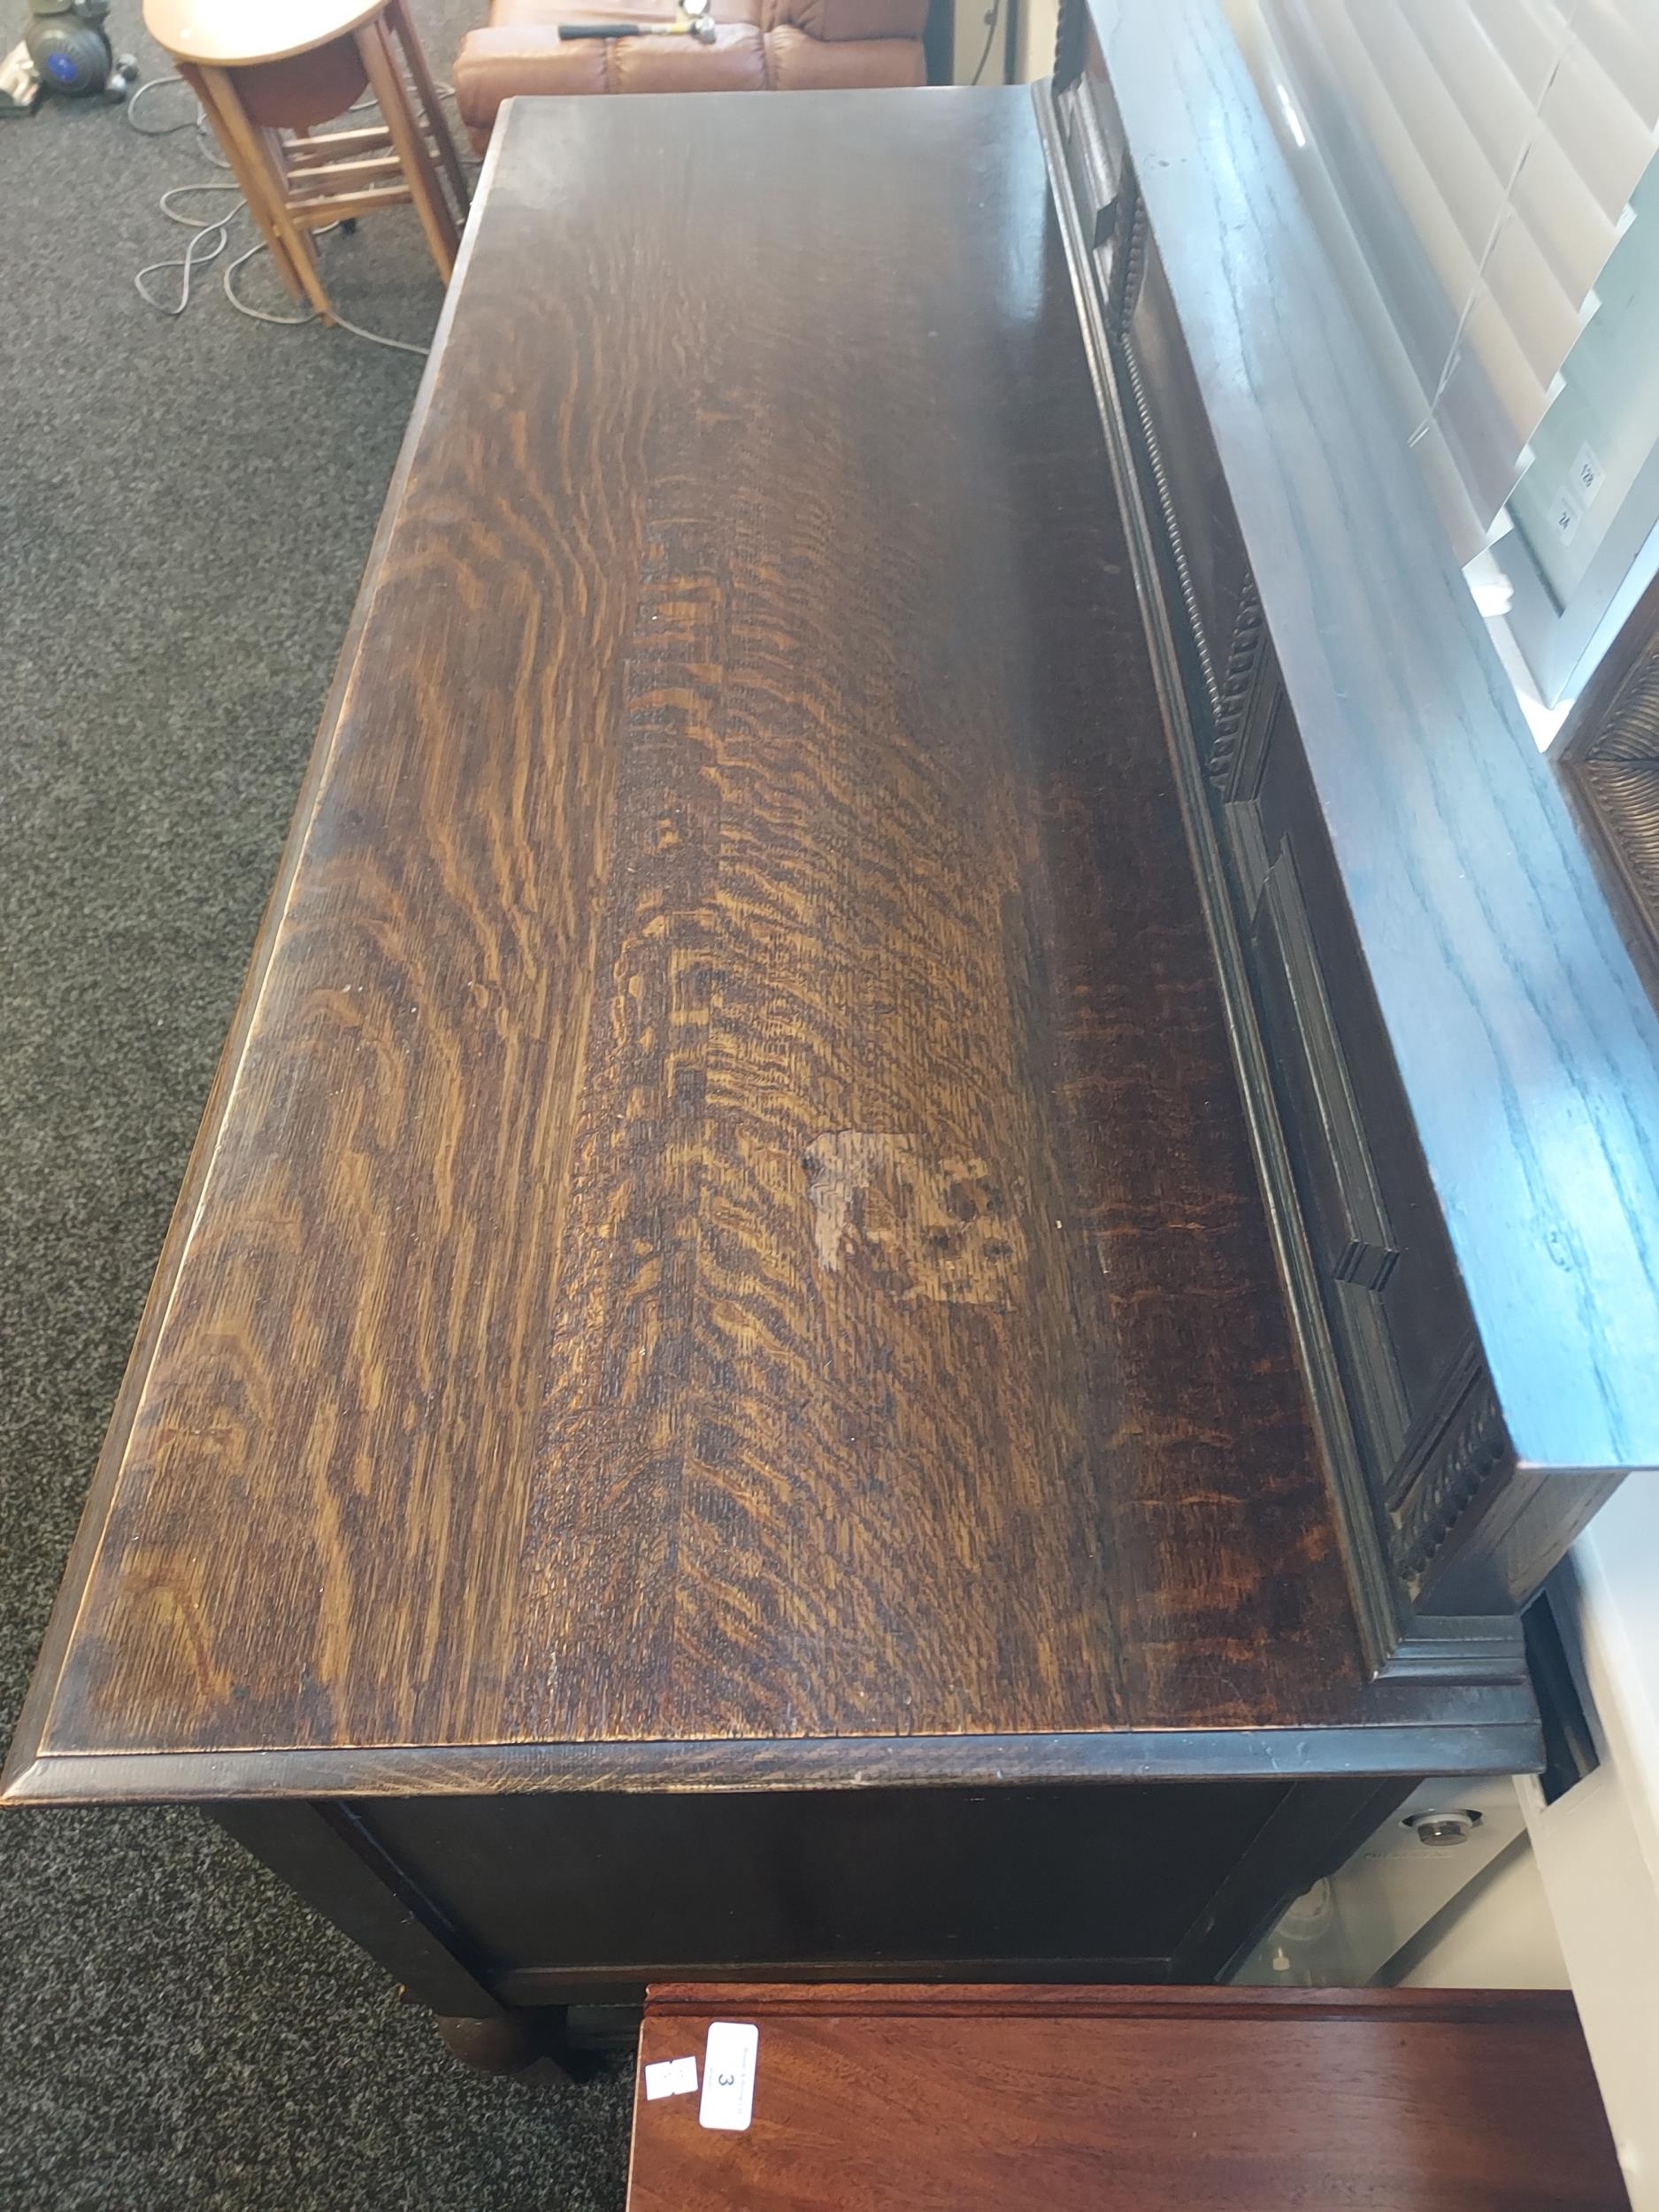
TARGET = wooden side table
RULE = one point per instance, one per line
(1086, 2099)
(267, 74)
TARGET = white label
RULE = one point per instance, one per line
(671, 2077)
(1586, 475)
(1565, 516)
(728, 2075)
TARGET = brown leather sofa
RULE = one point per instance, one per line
(759, 46)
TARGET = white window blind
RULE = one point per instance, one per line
(1485, 153)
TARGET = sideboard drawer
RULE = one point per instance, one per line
(1400, 1323)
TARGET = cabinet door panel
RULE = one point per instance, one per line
(1394, 1305)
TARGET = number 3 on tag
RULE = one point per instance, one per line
(728, 2075)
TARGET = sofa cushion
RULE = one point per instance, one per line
(497, 63)
(796, 63)
(759, 46)
(844, 21)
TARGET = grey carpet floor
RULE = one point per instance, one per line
(185, 509)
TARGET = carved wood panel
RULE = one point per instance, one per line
(1399, 1324)
(1347, 1213)
(1206, 573)
(1391, 1311)
(1459, 1445)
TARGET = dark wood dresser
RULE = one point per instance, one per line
(937, 1181)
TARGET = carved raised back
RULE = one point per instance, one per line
(1073, 35)
(1420, 1441)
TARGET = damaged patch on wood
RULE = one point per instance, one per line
(930, 1227)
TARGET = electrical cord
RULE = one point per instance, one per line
(197, 121)
(342, 322)
(210, 233)
(211, 236)
(991, 22)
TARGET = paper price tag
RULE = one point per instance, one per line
(1586, 474)
(670, 2077)
(1565, 516)
(728, 2075)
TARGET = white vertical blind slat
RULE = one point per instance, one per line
(1624, 37)
(1485, 152)
(1476, 76)
(1540, 292)
(1528, 33)
(1606, 138)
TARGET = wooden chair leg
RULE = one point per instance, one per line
(248, 185)
(426, 93)
(387, 82)
(259, 173)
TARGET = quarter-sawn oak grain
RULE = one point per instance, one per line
(726, 1216)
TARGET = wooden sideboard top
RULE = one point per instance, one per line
(724, 1246)
(1523, 1036)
